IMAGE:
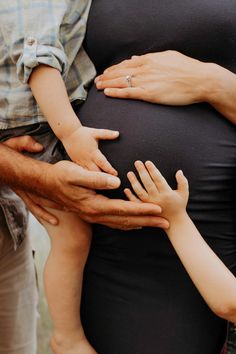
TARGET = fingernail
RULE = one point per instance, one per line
(113, 182)
(38, 146)
(114, 172)
(53, 221)
(181, 172)
(107, 91)
(137, 162)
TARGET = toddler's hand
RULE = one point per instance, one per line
(156, 190)
(82, 147)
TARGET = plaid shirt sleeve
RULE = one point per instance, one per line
(33, 32)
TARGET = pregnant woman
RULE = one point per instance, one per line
(138, 299)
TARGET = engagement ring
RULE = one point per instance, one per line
(128, 79)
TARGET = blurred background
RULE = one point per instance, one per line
(41, 244)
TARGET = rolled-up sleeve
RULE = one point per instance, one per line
(31, 31)
(35, 53)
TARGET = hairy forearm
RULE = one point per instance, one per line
(220, 90)
(50, 93)
(19, 171)
(212, 278)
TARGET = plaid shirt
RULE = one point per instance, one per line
(34, 32)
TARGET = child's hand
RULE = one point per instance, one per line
(156, 190)
(82, 147)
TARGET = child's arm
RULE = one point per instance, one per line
(212, 278)
(81, 143)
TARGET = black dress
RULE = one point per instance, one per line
(137, 297)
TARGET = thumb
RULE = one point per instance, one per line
(81, 177)
(31, 145)
(105, 134)
(182, 183)
(99, 180)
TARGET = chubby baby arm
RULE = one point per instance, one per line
(82, 147)
(81, 143)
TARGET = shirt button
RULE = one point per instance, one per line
(30, 41)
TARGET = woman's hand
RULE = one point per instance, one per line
(171, 78)
(168, 77)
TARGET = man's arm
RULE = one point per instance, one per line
(71, 187)
(15, 167)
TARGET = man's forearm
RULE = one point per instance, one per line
(19, 171)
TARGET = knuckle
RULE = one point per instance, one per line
(142, 195)
(171, 52)
(88, 212)
(126, 94)
(99, 159)
(26, 140)
(126, 223)
(126, 61)
(95, 182)
(121, 211)
(92, 212)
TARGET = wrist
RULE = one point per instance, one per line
(22, 172)
(179, 219)
(34, 179)
(64, 132)
(215, 83)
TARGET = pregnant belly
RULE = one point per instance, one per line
(188, 138)
(138, 272)
(193, 138)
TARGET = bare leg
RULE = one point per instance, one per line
(70, 242)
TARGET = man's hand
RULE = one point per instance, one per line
(72, 187)
(68, 186)
(24, 143)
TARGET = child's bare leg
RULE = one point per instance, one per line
(63, 275)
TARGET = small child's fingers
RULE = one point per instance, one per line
(182, 183)
(105, 134)
(137, 187)
(146, 178)
(131, 196)
(102, 162)
(157, 177)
